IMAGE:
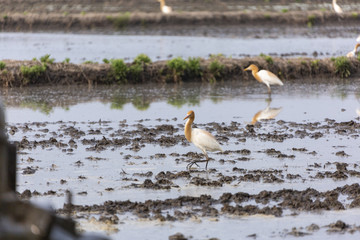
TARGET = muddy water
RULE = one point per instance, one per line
(108, 143)
(80, 48)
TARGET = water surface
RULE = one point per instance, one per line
(86, 47)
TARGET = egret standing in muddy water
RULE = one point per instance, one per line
(200, 138)
(164, 9)
(336, 7)
(264, 76)
(353, 53)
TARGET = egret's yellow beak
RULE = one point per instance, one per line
(246, 69)
(187, 116)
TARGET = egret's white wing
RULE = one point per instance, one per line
(204, 140)
(269, 77)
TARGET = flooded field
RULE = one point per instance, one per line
(83, 47)
(290, 166)
(122, 152)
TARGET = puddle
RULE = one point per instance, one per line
(82, 47)
(117, 144)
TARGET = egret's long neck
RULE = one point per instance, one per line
(356, 47)
(188, 128)
(162, 4)
(255, 74)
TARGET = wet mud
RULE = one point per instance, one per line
(289, 70)
(182, 208)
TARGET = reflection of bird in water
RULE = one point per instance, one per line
(353, 53)
(267, 113)
(200, 138)
(264, 76)
(164, 9)
(336, 7)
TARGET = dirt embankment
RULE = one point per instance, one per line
(115, 6)
(29, 73)
(140, 21)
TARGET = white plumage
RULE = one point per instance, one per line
(264, 76)
(353, 53)
(336, 7)
(164, 9)
(269, 78)
(204, 140)
(200, 138)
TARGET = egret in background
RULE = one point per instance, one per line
(353, 53)
(164, 9)
(336, 7)
(264, 76)
(200, 138)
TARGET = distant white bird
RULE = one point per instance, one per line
(164, 9)
(353, 53)
(336, 7)
(200, 138)
(264, 76)
(267, 113)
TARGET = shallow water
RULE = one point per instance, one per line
(222, 102)
(83, 47)
(123, 108)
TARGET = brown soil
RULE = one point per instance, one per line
(114, 6)
(140, 22)
(307, 200)
(288, 70)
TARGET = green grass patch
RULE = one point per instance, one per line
(194, 67)
(216, 69)
(46, 59)
(342, 66)
(120, 22)
(88, 62)
(119, 69)
(178, 67)
(311, 21)
(67, 60)
(2, 65)
(284, 10)
(267, 58)
(315, 64)
(31, 73)
(142, 59)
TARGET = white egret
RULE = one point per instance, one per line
(200, 138)
(164, 9)
(336, 7)
(264, 76)
(353, 53)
